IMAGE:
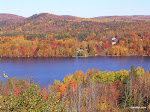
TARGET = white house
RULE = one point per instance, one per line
(114, 40)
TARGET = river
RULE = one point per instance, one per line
(45, 70)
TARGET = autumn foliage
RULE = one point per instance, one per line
(20, 47)
(82, 92)
(48, 35)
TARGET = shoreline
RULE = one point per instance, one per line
(77, 56)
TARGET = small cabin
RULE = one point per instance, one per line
(114, 40)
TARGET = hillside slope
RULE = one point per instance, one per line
(5, 17)
(47, 25)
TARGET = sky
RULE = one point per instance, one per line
(79, 8)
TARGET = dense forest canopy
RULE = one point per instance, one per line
(69, 26)
(90, 35)
(93, 91)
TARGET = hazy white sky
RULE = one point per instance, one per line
(80, 8)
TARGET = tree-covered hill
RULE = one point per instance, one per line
(48, 35)
(6, 17)
(44, 24)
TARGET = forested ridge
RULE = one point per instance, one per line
(47, 35)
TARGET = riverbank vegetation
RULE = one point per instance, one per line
(20, 46)
(83, 92)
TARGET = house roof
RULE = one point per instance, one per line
(113, 38)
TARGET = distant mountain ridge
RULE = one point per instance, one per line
(134, 17)
(12, 17)
(48, 16)
(67, 26)
(5, 17)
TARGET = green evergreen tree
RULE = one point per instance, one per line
(127, 88)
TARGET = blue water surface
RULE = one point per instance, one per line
(45, 70)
